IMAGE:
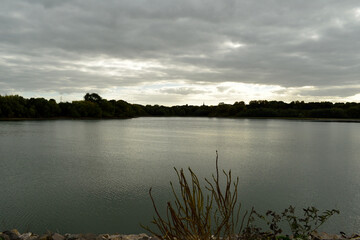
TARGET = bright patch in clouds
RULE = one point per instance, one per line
(355, 98)
(233, 45)
(117, 67)
(314, 36)
(182, 93)
(357, 13)
(112, 63)
(196, 94)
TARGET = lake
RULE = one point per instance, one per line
(75, 176)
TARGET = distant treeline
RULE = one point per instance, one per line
(93, 106)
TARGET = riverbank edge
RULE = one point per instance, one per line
(16, 235)
(63, 118)
(351, 120)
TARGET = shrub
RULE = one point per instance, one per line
(196, 215)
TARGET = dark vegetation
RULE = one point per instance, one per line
(213, 211)
(93, 106)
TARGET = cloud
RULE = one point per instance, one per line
(181, 91)
(341, 92)
(338, 91)
(68, 47)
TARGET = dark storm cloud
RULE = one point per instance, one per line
(47, 45)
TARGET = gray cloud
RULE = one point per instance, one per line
(47, 45)
(341, 92)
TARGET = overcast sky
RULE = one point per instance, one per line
(181, 51)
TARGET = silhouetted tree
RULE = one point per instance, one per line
(93, 97)
(87, 109)
(353, 112)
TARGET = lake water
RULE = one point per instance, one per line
(94, 176)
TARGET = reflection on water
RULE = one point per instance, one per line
(94, 176)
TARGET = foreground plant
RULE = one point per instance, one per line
(302, 227)
(196, 215)
(215, 213)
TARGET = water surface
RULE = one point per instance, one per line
(94, 176)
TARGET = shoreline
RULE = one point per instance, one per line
(61, 118)
(350, 120)
(16, 235)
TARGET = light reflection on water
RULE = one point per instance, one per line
(94, 176)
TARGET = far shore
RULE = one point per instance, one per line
(353, 120)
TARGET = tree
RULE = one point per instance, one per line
(86, 109)
(93, 97)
